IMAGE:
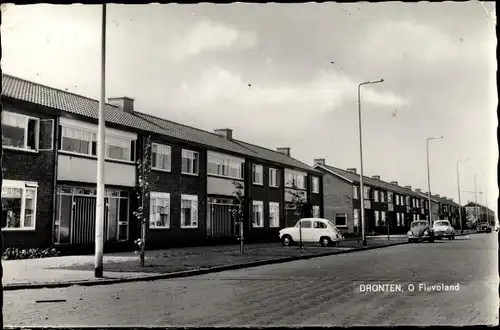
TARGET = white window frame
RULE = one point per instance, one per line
(382, 196)
(191, 198)
(402, 219)
(24, 186)
(366, 192)
(274, 215)
(316, 211)
(260, 206)
(190, 154)
(315, 185)
(26, 120)
(383, 217)
(166, 150)
(377, 219)
(160, 195)
(355, 216)
(257, 169)
(274, 173)
(93, 138)
(294, 178)
(390, 197)
(226, 161)
(335, 219)
(375, 195)
(398, 219)
(355, 192)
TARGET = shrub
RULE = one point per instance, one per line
(15, 253)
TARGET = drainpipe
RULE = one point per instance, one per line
(55, 142)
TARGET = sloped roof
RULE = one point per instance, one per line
(472, 204)
(370, 181)
(28, 91)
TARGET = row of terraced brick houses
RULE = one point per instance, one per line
(49, 170)
(389, 207)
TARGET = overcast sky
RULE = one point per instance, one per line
(265, 71)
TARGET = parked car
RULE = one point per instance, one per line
(420, 230)
(312, 230)
(442, 229)
(483, 227)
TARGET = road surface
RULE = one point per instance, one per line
(323, 291)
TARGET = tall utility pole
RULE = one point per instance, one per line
(475, 197)
(101, 149)
(361, 185)
(459, 200)
(429, 177)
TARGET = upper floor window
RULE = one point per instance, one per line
(190, 160)
(382, 196)
(315, 185)
(367, 192)
(389, 196)
(257, 174)
(26, 133)
(295, 179)
(274, 179)
(84, 141)
(355, 192)
(408, 200)
(225, 166)
(375, 195)
(161, 157)
(119, 148)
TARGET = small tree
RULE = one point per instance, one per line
(238, 210)
(142, 190)
(298, 201)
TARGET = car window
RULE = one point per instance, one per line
(305, 224)
(319, 225)
(442, 223)
(418, 224)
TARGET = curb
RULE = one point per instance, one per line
(188, 273)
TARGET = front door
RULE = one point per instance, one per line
(220, 220)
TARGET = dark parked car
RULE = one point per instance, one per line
(420, 230)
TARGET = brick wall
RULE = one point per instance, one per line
(176, 184)
(38, 167)
(337, 198)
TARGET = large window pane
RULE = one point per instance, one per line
(29, 208)
(14, 130)
(11, 207)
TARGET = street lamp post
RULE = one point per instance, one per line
(99, 227)
(429, 177)
(459, 200)
(361, 185)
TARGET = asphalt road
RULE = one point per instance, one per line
(323, 291)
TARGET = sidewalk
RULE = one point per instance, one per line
(175, 262)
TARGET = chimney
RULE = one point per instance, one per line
(319, 161)
(284, 151)
(126, 104)
(376, 177)
(408, 187)
(394, 182)
(418, 190)
(225, 132)
(437, 195)
(352, 170)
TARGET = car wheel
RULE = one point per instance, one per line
(325, 241)
(453, 237)
(286, 240)
(450, 237)
(431, 240)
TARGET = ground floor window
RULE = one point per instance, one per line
(383, 218)
(315, 211)
(19, 204)
(189, 211)
(398, 219)
(402, 219)
(274, 214)
(340, 219)
(258, 214)
(377, 218)
(159, 212)
(356, 217)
